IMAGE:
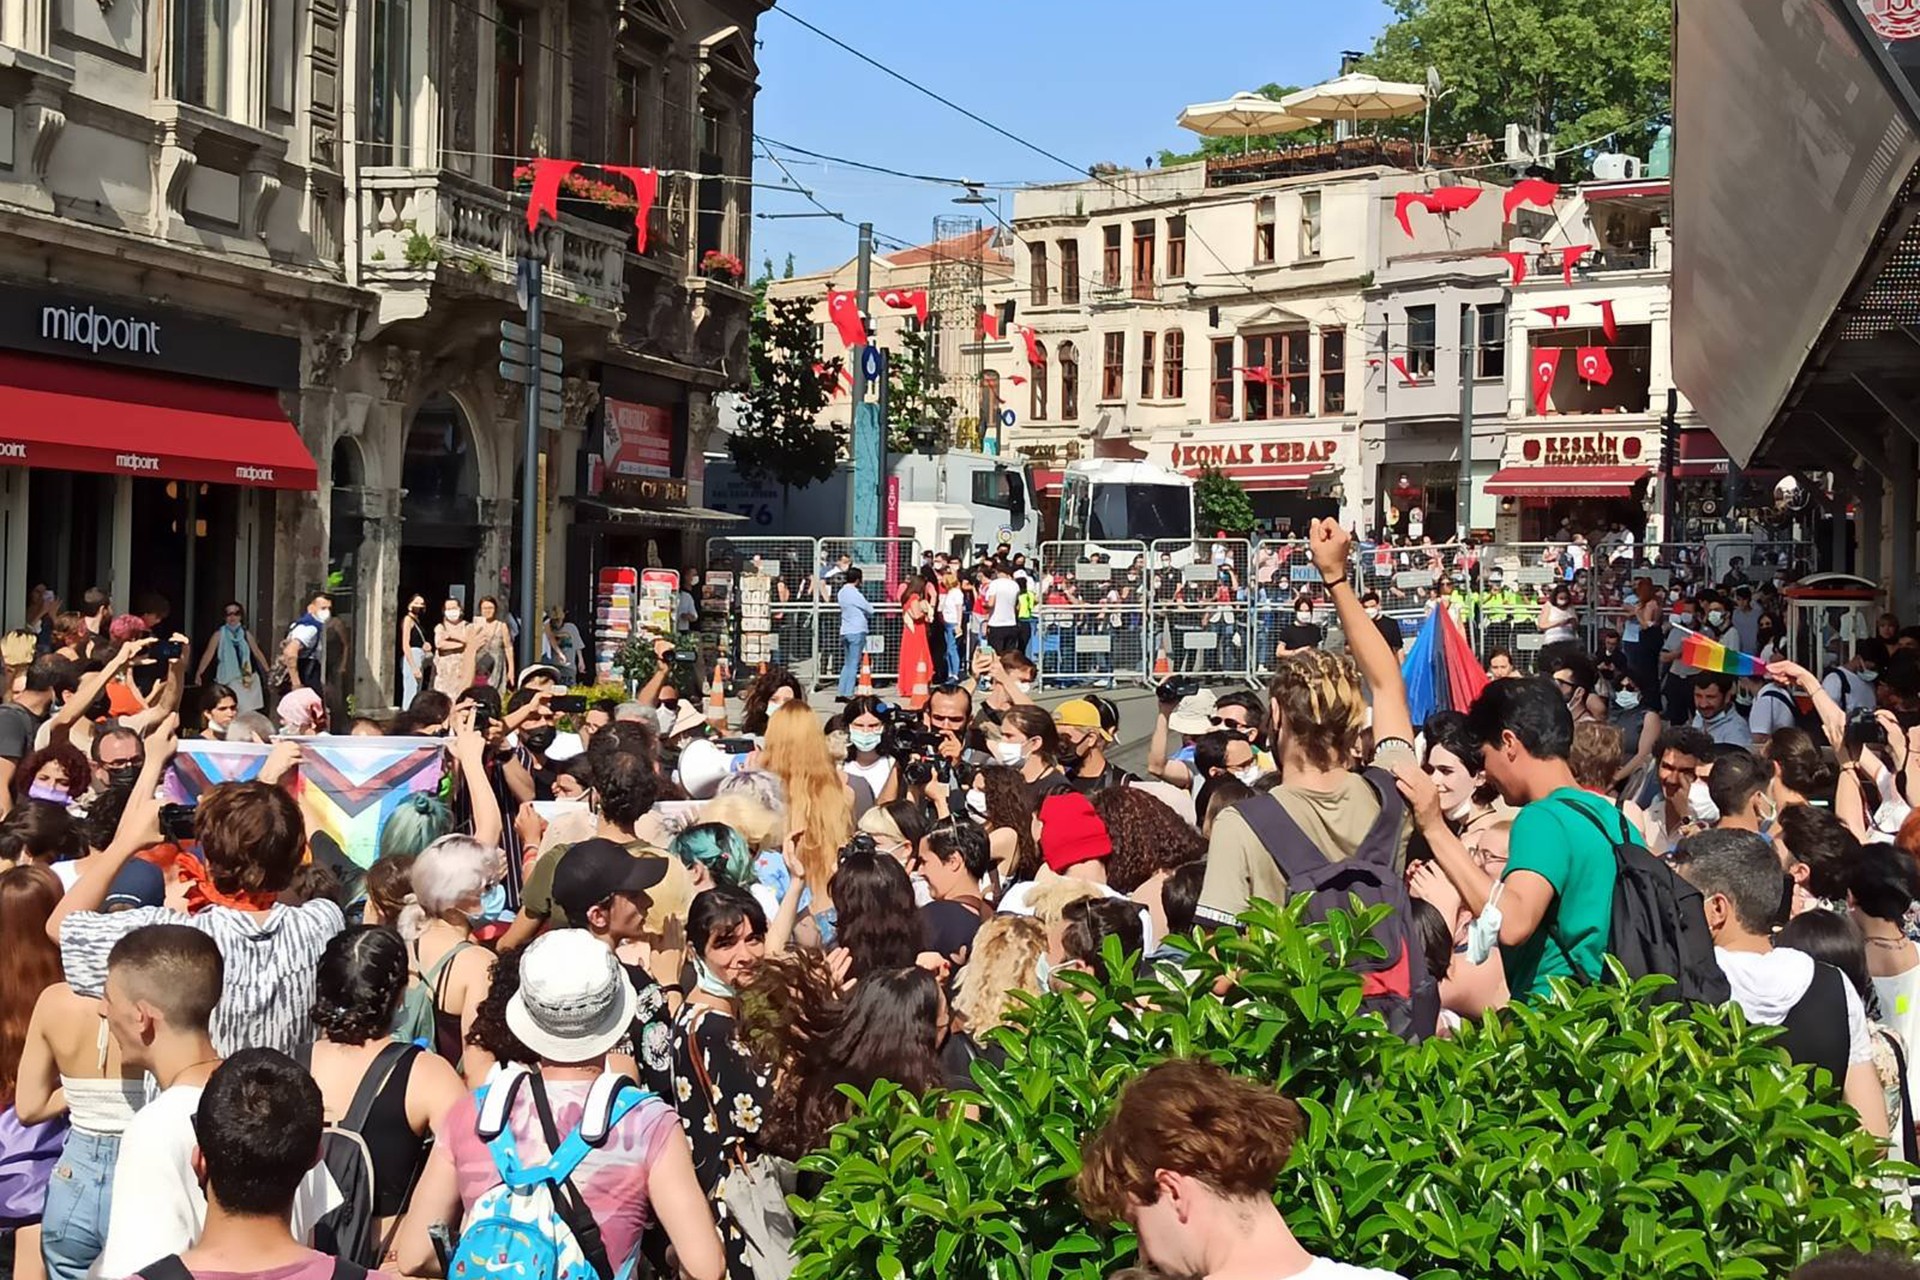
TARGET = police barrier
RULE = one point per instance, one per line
(1093, 612)
(1287, 593)
(1202, 607)
(784, 632)
(887, 566)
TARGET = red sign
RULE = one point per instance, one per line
(639, 440)
(1595, 450)
(1187, 457)
(1893, 19)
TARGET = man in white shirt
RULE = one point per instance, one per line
(1714, 711)
(1003, 610)
(1851, 684)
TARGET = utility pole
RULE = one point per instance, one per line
(531, 267)
(1463, 503)
(1669, 455)
(869, 435)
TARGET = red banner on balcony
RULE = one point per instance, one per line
(1595, 365)
(646, 185)
(545, 196)
(1607, 324)
(1518, 261)
(1535, 191)
(1441, 200)
(1570, 255)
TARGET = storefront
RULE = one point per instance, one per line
(1290, 481)
(1571, 480)
(135, 445)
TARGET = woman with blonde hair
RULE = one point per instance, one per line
(450, 969)
(819, 804)
(1006, 958)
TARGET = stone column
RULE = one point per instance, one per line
(377, 676)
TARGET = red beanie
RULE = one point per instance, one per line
(1070, 831)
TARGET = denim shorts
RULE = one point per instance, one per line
(79, 1196)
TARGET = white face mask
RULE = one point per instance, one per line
(1248, 775)
(1716, 617)
(322, 615)
(1700, 806)
(1023, 685)
(1011, 753)
(452, 615)
(1626, 699)
(864, 739)
(664, 717)
(1373, 611)
(977, 802)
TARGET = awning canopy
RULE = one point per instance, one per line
(1701, 455)
(658, 517)
(1048, 482)
(1276, 478)
(1565, 482)
(69, 416)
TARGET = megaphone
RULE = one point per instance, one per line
(703, 766)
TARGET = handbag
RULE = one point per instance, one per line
(755, 1192)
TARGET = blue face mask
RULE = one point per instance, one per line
(493, 903)
(710, 982)
(49, 793)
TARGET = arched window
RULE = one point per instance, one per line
(1069, 382)
(1037, 380)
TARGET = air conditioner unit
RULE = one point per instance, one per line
(1616, 167)
(1517, 150)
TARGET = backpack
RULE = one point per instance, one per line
(1659, 920)
(171, 1268)
(415, 1024)
(534, 1225)
(1805, 718)
(1398, 987)
(347, 1231)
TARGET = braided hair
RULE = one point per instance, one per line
(361, 979)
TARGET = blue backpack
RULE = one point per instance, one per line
(535, 1225)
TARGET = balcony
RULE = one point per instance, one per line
(420, 225)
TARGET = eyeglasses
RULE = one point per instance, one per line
(1221, 722)
(1566, 686)
(233, 613)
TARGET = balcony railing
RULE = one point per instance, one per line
(416, 221)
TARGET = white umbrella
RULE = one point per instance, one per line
(1356, 96)
(1244, 115)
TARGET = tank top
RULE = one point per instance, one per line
(396, 1150)
(1815, 1032)
(105, 1104)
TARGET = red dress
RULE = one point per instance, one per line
(916, 657)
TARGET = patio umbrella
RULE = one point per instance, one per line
(1356, 96)
(1244, 115)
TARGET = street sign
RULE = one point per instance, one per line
(1006, 417)
(512, 332)
(549, 401)
(870, 362)
(520, 353)
(521, 375)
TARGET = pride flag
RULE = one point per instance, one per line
(1439, 668)
(350, 786)
(1710, 655)
(202, 764)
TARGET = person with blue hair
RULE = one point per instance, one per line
(715, 854)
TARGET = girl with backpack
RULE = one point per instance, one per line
(551, 1172)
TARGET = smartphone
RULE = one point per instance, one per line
(737, 746)
(569, 703)
(164, 650)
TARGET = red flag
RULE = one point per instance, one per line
(1595, 365)
(1452, 199)
(1256, 373)
(646, 184)
(1607, 326)
(1546, 364)
(1033, 346)
(845, 312)
(907, 299)
(1518, 261)
(1536, 191)
(1555, 314)
(1401, 203)
(988, 326)
(1017, 380)
(545, 196)
(1570, 255)
(1406, 378)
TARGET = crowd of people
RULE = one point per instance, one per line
(599, 994)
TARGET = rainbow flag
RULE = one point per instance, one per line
(350, 786)
(202, 764)
(1710, 655)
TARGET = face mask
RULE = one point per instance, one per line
(1070, 755)
(1043, 973)
(538, 740)
(1869, 676)
(121, 774)
(1460, 811)
(322, 615)
(977, 802)
(1700, 806)
(1023, 685)
(1373, 611)
(1716, 617)
(49, 793)
(1626, 699)
(451, 615)
(922, 891)
(1483, 931)
(664, 717)
(1248, 775)
(1009, 753)
(709, 981)
(493, 903)
(864, 739)
(1768, 816)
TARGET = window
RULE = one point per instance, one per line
(511, 48)
(1037, 383)
(1333, 371)
(820, 338)
(1110, 257)
(1222, 379)
(1173, 352)
(989, 406)
(1143, 259)
(1037, 274)
(1148, 367)
(997, 488)
(1310, 224)
(1069, 382)
(710, 226)
(1070, 272)
(1263, 229)
(1177, 247)
(200, 53)
(629, 98)
(1420, 341)
(389, 82)
(1286, 389)
(1490, 347)
(1113, 367)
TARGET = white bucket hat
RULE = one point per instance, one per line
(574, 1002)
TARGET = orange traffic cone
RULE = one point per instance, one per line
(864, 689)
(1162, 667)
(717, 706)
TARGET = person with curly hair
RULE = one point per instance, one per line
(1150, 842)
(771, 689)
(57, 774)
(879, 926)
(1005, 961)
(999, 800)
(490, 1033)
(362, 978)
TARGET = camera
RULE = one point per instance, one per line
(1863, 730)
(568, 703)
(176, 823)
(917, 748)
(1174, 688)
(164, 650)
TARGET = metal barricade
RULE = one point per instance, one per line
(786, 634)
(1093, 613)
(1282, 576)
(886, 566)
(1408, 579)
(1202, 608)
(1517, 580)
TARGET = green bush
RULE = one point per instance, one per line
(1589, 1135)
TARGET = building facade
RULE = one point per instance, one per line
(292, 228)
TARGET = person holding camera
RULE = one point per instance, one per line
(870, 750)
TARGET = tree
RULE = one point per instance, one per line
(1236, 146)
(1571, 68)
(780, 435)
(915, 403)
(1222, 503)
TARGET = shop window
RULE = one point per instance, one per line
(1490, 342)
(1333, 371)
(1625, 391)
(1287, 389)
(200, 53)
(1177, 247)
(1037, 274)
(1310, 224)
(1223, 379)
(1173, 352)
(1069, 358)
(1037, 383)
(1143, 259)
(1110, 257)
(1421, 341)
(1113, 367)
(1070, 272)
(1263, 220)
(389, 83)
(513, 52)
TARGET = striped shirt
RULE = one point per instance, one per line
(267, 1000)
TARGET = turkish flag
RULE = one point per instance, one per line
(1570, 255)
(1518, 261)
(1452, 199)
(646, 184)
(1536, 191)
(1254, 373)
(1555, 314)
(1607, 325)
(1404, 201)
(1017, 380)
(988, 327)
(907, 299)
(1595, 365)
(845, 311)
(1546, 364)
(1033, 346)
(545, 196)
(1406, 378)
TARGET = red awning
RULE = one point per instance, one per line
(1701, 455)
(1294, 477)
(69, 416)
(1565, 482)
(1048, 482)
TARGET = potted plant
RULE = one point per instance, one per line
(610, 204)
(723, 267)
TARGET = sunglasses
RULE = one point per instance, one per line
(1221, 722)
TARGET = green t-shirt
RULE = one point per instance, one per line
(1576, 858)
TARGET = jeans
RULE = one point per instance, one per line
(856, 646)
(955, 672)
(79, 1196)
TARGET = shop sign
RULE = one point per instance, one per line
(1186, 457)
(65, 322)
(659, 491)
(1051, 455)
(1591, 449)
(638, 440)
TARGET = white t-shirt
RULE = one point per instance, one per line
(1328, 1269)
(875, 774)
(953, 607)
(1859, 692)
(1003, 603)
(1767, 984)
(1014, 902)
(164, 1205)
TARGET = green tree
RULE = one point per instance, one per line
(1235, 146)
(915, 403)
(1222, 503)
(1574, 69)
(780, 433)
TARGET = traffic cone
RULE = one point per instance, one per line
(717, 706)
(864, 688)
(1162, 667)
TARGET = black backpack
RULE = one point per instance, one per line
(1397, 987)
(347, 1232)
(1807, 718)
(1659, 920)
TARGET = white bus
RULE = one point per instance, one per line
(1106, 499)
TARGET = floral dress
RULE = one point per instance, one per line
(706, 1053)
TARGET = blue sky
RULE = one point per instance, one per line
(1091, 80)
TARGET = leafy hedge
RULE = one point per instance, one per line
(1590, 1135)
